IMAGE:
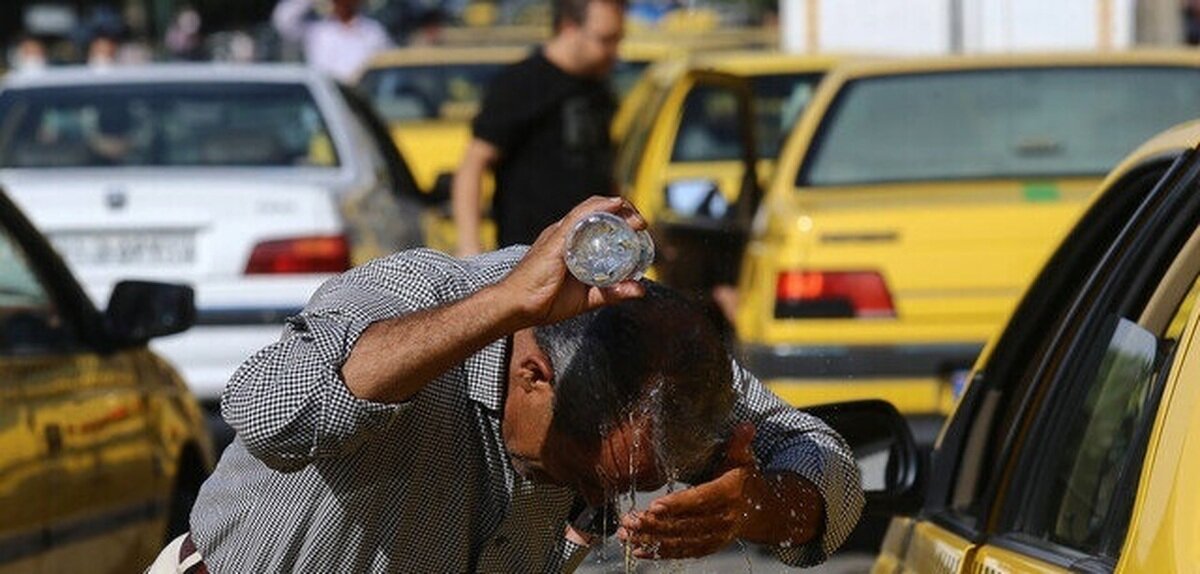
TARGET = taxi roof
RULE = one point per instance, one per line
(437, 55)
(760, 62)
(885, 67)
(1166, 144)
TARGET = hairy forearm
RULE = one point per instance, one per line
(395, 358)
(785, 509)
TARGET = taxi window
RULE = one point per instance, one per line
(709, 129)
(170, 125)
(1100, 443)
(30, 322)
(1013, 123)
(409, 93)
(778, 101)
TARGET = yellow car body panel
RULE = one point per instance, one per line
(992, 559)
(913, 232)
(936, 551)
(86, 438)
(927, 240)
(439, 145)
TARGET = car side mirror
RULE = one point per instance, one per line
(692, 198)
(142, 310)
(887, 456)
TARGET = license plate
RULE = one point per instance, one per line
(127, 247)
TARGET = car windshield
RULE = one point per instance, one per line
(410, 93)
(1012, 123)
(169, 124)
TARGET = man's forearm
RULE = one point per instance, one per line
(395, 358)
(464, 203)
(786, 510)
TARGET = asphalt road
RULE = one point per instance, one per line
(733, 560)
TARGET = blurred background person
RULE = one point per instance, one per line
(29, 55)
(337, 44)
(429, 30)
(1191, 22)
(183, 39)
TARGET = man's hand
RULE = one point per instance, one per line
(740, 503)
(542, 286)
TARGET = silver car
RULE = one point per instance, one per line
(252, 183)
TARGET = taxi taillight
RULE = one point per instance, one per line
(806, 294)
(320, 254)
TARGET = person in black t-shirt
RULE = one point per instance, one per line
(543, 129)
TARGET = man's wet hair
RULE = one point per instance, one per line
(575, 11)
(657, 356)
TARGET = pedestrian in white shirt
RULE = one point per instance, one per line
(338, 44)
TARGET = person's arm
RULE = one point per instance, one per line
(466, 194)
(288, 18)
(789, 481)
(375, 336)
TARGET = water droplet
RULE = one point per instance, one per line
(757, 507)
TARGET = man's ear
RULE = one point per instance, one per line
(535, 369)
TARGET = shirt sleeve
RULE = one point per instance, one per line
(288, 402)
(290, 18)
(789, 440)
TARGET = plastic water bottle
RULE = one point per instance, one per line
(602, 250)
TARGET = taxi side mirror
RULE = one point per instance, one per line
(688, 198)
(887, 456)
(142, 310)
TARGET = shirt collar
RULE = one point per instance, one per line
(487, 374)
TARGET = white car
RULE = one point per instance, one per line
(252, 183)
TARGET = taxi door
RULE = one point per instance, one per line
(1083, 468)
(1040, 466)
(81, 476)
(688, 164)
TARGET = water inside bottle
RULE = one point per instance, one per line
(602, 250)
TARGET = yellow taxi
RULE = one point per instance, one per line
(103, 447)
(428, 96)
(914, 201)
(1073, 448)
(694, 124)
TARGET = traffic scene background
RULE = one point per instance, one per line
(959, 230)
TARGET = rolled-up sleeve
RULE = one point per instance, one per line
(289, 403)
(789, 440)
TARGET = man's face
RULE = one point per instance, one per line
(595, 40)
(624, 459)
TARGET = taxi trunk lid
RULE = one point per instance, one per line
(954, 257)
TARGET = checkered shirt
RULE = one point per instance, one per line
(319, 480)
